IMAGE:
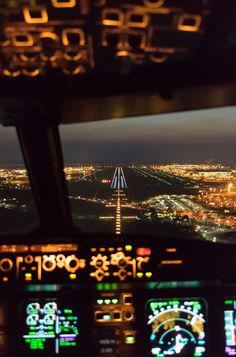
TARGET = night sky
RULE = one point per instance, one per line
(194, 137)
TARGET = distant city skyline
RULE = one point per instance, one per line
(185, 137)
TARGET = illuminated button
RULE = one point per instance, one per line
(93, 249)
(119, 249)
(72, 276)
(171, 262)
(149, 274)
(107, 301)
(106, 317)
(28, 276)
(99, 301)
(128, 299)
(228, 302)
(40, 17)
(139, 274)
(190, 23)
(128, 248)
(5, 278)
(130, 339)
(114, 301)
(143, 251)
(63, 4)
(111, 249)
(100, 316)
(171, 250)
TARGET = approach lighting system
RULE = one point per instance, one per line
(177, 327)
(72, 37)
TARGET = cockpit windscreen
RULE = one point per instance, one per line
(172, 173)
(17, 207)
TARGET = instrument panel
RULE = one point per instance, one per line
(57, 301)
(123, 322)
(118, 262)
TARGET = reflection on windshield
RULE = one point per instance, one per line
(169, 175)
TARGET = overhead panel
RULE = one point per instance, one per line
(75, 37)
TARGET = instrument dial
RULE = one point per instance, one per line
(177, 327)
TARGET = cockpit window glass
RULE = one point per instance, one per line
(169, 175)
(17, 210)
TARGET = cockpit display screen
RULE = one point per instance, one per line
(176, 327)
(230, 327)
(49, 326)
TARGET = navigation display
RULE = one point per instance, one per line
(230, 327)
(177, 327)
(50, 326)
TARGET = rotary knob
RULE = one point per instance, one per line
(49, 263)
(121, 274)
(99, 274)
(100, 262)
(6, 264)
(72, 263)
(120, 260)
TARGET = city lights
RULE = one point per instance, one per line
(195, 199)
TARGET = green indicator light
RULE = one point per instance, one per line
(100, 286)
(107, 301)
(99, 301)
(67, 311)
(114, 286)
(228, 302)
(114, 301)
(194, 284)
(107, 286)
